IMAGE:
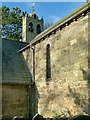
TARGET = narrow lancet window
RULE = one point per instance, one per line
(31, 27)
(48, 62)
(38, 29)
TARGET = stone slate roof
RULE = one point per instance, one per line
(78, 12)
(14, 68)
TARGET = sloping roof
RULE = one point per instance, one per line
(72, 15)
(14, 68)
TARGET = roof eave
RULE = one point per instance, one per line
(16, 83)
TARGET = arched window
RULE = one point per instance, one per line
(48, 62)
(35, 16)
(31, 27)
(38, 29)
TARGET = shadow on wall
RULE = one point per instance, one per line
(88, 86)
(33, 101)
(33, 91)
(32, 94)
(89, 63)
(23, 64)
(86, 76)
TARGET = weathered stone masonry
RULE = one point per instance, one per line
(15, 102)
(66, 92)
(15, 82)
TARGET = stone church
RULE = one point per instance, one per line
(48, 72)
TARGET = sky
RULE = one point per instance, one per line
(50, 11)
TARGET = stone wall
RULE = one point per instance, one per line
(14, 101)
(66, 92)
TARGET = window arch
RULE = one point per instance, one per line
(31, 27)
(38, 29)
(35, 16)
(48, 62)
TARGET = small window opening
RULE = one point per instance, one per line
(35, 16)
(31, 27)
(38, 29)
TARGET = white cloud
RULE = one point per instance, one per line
(55, 18)
(51, 20)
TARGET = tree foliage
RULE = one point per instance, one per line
(11, 23)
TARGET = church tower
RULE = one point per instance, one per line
(31, 27)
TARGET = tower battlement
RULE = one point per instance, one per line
(31, 27)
